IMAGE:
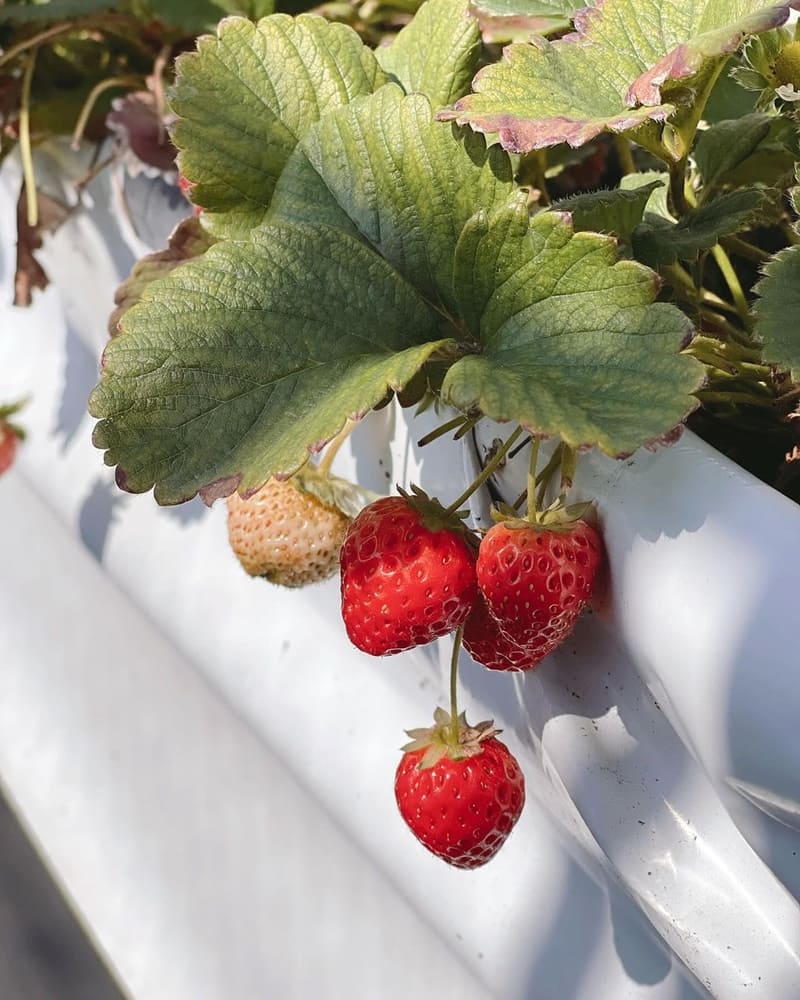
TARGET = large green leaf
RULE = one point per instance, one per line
(246, 97)
(389, 241)
(235, 365)
(405, 183)
(573, 345)
(437, 53)
(777, 311)
(614, 73)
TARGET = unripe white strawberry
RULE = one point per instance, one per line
(285, 534)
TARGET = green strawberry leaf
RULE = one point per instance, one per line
(403, 182)
(657, 241)
(390, 242)
(234, 366)
(246, 97)
(777, 310)
(614, 73)
(573, 343)
(770, 163)
(618, 212)
(187, 241)
(437, 53)
(724, 146)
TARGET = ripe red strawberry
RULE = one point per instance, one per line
(408, 575)
(10, 435)
(536, 579)
(285, 534)
(460, 796)
(8, 447)
(488, 645)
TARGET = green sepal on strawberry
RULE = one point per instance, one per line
(460, 790)
(407, 574)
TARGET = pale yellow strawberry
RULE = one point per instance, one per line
(285, 534)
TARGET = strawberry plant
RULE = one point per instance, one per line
(589, 235)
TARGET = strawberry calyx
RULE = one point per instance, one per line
(333, 491)
(444, 739)
(8, 426)
(557, 517)
(436, 517)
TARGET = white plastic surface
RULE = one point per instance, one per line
(208, 764)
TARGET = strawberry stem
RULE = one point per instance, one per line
(569, 460)
(454, 683)
(442, 429)
(547, 474)
(334, 445)
(487, 472)
(26, 155)
(532, 462)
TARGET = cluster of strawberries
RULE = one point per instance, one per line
(411, 572)
(410, 575)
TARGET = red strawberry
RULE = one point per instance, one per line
(491, 647)
(536, 579)
(459, 794)
(10, 435)
(408, 575)
(8, 447)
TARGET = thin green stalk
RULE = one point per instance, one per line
(531, 491)
(734, 398)
(624, 154)
(26, 151)
(710, 299)
(734, 332)
(569, 461)
(723, 262)
(540, 177)
(681, 281)
(487, 472)
(519, 448)
(743, 249)
(334, 445)
(729, 357)
(677, 187)
(91, 100)
(547, 474)
(441, 430)
(454, 681)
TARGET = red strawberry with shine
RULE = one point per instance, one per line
(536, 579)
(460, 796)
(407, 576)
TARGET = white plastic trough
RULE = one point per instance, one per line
(207, 765)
